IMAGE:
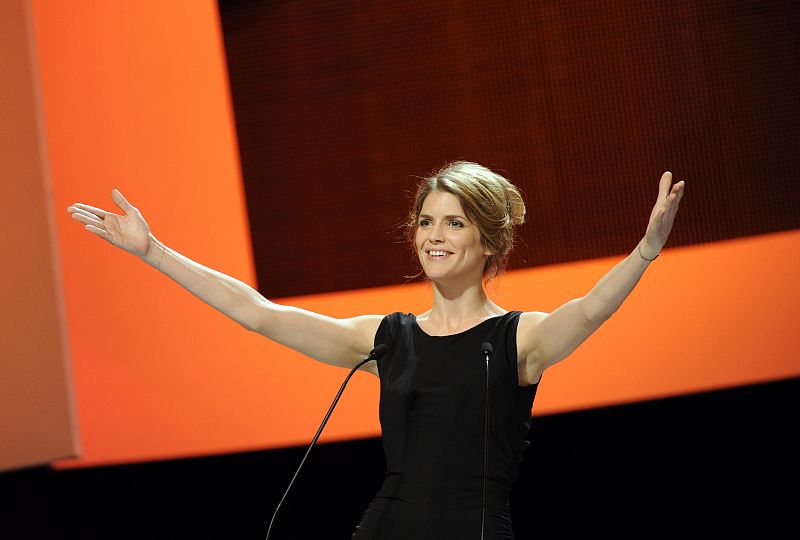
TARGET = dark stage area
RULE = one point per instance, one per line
(711, 464)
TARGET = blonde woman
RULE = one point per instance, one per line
(447, 475)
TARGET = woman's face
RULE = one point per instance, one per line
(448, 244)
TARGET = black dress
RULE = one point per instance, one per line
(432, 407)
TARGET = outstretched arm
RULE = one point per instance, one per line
(607, 296)
(340, 342)
(548, 338)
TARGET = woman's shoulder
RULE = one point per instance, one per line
(388, 325)
(529, 320)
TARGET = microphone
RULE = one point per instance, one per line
(376, 353)
(487, 350)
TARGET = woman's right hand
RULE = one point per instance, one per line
(129, 232)
(338, 342)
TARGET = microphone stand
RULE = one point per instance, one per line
(376, 353)
(487, 351)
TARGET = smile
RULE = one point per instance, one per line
(438, 254)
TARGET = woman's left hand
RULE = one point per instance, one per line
(663, 215)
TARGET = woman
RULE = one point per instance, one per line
(433, 379)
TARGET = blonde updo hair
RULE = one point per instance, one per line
(490, 201)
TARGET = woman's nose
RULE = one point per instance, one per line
(437, 234)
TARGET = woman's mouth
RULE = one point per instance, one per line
(437, 254)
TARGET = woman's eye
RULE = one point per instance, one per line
(424, 222)
(456, 224)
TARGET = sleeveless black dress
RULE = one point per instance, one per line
(432, 407)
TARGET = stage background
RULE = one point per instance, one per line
(336, 110)
(37, 413)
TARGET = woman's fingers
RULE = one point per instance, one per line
(663, 215)
(99, 212)
(676, 195)
(121, 201)
(664, 185)
(674, 207)
(127, 231)
(669, 194)
(81, 212)
(671, 207)
(87, 218)
(102, 233)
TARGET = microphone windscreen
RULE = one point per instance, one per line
(486, 348)
(378, 351)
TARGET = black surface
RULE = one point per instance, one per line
(713, 464)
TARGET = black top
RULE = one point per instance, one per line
(432, 413)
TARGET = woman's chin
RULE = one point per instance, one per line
(444, 278)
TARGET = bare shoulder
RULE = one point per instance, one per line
(526, 330)
(529, 370)
(366, 327)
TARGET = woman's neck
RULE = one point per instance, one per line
(455, 307)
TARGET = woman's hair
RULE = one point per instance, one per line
(490, 201)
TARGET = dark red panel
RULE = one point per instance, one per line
(583, 104)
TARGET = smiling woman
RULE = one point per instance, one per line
(461, 228)
(450, 457)
(447, 242)
(490, 202)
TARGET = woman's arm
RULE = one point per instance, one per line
(340, 342)
(544, 339)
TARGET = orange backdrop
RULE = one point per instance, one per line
(37, 417)
(135, 97)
